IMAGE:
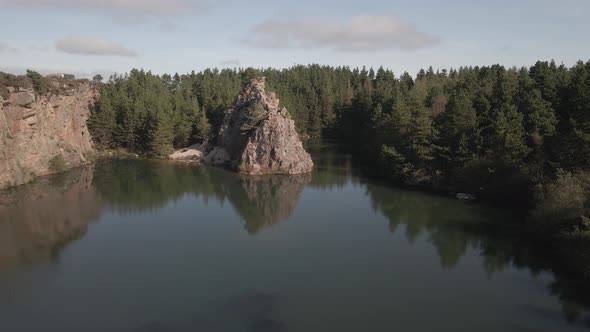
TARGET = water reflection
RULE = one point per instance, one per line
(453, 227)
(37, 220)
(261, 201)
(266, 200)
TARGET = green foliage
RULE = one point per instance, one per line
(97, 78)
(148, 114)
(477, 128)
(565, 207)
(39, 81)
(57, 164)
(102, 122)
(250, 73)
(202, 128)
(253, 115)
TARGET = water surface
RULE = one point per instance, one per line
(153, 246)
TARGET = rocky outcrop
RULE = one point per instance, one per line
(44, 133)
(256, 137)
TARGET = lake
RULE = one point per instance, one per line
(154, 246)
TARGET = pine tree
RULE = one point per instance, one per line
(160, 135)
(102, 122)
(458, 130)
(201, 127)
(510, 136)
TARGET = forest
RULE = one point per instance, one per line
(518, 137)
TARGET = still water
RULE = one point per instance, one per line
(152, 246)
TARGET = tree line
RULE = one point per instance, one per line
(505, 134)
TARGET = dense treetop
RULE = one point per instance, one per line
(436, 120)
(476, 129)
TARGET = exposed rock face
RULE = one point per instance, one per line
(44, 134)
(259, 137)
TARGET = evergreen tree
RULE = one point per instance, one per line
(102, 122)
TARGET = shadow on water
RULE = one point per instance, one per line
(38, 220)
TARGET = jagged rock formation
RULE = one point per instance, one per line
(259, 137)
(43, 133)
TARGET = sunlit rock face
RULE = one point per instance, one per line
(44, 133)
(259, 137)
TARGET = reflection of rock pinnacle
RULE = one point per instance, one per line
(269, 199)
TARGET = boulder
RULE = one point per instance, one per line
(24, 98)
(192, 153)
(217, 157)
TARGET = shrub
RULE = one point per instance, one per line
(39, 81)
(58, 164)
(253, 114)
(564, 208)
(250, 73)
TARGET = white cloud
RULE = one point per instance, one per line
(359, 33)
(123, 11)
(92, 46)
(230, 62)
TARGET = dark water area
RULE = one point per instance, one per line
(155, 246)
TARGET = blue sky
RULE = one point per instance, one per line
(89, 36)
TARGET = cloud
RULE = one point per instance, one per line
(5, 48)
(359, 33)
(230, 62)
(124, 11)
(92, 46)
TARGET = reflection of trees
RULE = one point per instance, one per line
(452, 227)
(421, 213)
(133, 186)
(38, 219)
(332, 166)
(261, 201)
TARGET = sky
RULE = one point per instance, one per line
(85, 37)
